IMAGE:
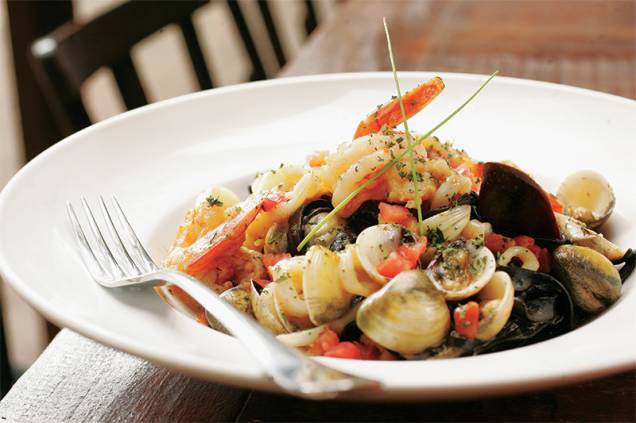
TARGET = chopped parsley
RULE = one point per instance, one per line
(213, 201)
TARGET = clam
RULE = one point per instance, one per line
(515, 204)
(325, 298)
(407, 315)
(449, 223)
(461, 269)
(588, 197)
(265, 310)
(576, 232)
(592, 280)
(354, 279)
(239, 297)
(495, 305)
(374, 245)
(287, 289)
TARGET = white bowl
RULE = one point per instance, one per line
(157, 158)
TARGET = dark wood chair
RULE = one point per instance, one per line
(66, 57)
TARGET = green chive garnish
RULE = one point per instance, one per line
(409, 139)
(391, 163)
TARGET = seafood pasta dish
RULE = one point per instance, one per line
(398, 245)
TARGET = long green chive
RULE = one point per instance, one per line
(409, 139)
(391, 163)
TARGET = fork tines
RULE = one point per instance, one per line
(122, 256)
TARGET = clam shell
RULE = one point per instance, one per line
(407, 315)
(374, 245)
(588, 197)
(325, 298)
(469, 270)
(265, 310)
(354, 279)
(495, 304)
(576, 232)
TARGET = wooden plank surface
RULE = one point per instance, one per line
(79, 380)
(585, 43)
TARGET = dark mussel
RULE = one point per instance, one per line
(515, 204)
(366, 215)
(334, 234)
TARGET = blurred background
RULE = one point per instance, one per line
(68, 63)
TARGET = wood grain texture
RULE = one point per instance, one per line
(589, 44)
(79, 380)
(610, 399)
(585, 43)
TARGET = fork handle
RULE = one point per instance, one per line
(290, 369)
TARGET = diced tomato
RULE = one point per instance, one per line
(405, 258)
(413, 252)
(557, 207)
(272, 258)
(262, 282)
(393, 265)
(368, 352)
(345, 350)
(498, 243)
(391, 213)
(478, 169)
(523, 241)
(467, 319)
(272, 199)
(536, 250)
(545, 261)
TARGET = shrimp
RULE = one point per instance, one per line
(390, 113)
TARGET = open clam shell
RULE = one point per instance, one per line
(325, 298)
(588, 197)
(576, 232)
(407, 315)
(461, 269)
(495, 305)
(374, 245)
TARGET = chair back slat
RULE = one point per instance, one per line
(196, 55)
(311, 21)
(272, 32)
(128, 82)
(258, 70)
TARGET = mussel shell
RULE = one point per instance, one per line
(408, 315)
(591, 278)
(310, 214)
(514, 203)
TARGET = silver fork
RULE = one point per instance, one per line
(124, 262)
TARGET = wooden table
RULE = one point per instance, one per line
(584, 43)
